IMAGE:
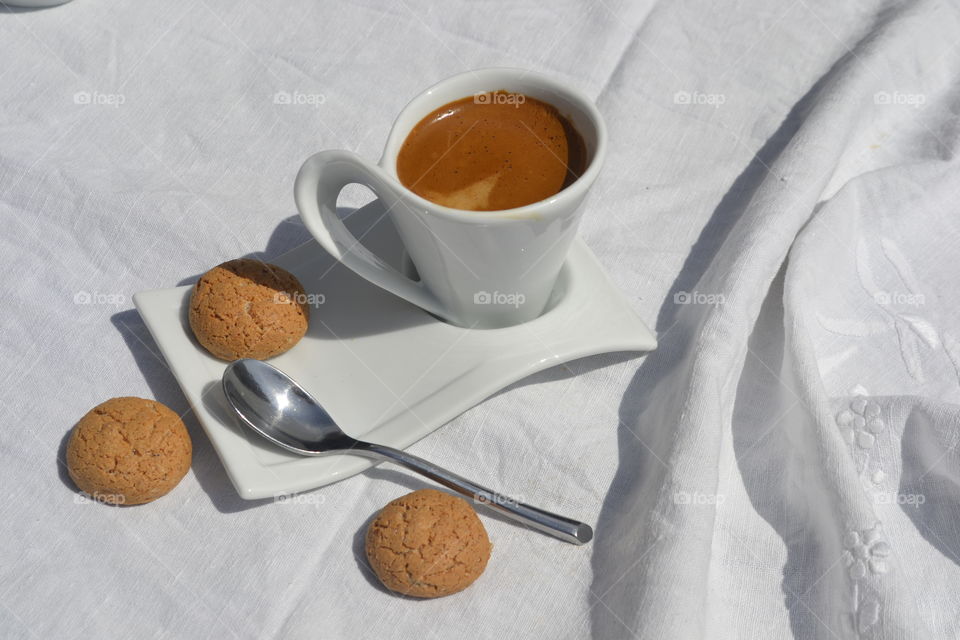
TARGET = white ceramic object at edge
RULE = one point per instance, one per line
(29, 4)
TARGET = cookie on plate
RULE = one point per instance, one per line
(427, 544)
(248, 309)
(128, 451)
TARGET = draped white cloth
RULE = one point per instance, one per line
(780, 201)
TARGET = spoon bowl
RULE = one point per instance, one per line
(272, 404)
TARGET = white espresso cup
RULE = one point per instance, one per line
(478, 269)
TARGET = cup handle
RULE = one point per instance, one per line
(318, 184)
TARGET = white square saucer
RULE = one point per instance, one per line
(384, 369)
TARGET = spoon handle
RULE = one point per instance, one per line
(550, 523)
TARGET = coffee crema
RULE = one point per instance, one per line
(491, 152)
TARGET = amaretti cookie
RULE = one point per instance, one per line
(427, 544)
(248, 309)
(128, 451)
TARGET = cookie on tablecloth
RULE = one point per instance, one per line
(128, 451)
(427, 544)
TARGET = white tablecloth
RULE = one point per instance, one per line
(780, 201)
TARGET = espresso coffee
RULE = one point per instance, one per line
(490, 152)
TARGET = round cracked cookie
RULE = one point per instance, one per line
(427, 544)
(248, 309)
(128, 451)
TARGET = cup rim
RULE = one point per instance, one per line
(529, 211)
